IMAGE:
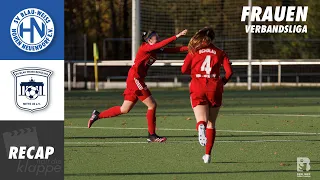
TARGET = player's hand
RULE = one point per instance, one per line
(224, 81)
(182, 33)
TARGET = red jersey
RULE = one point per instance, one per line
(146, 56)
(206, 63)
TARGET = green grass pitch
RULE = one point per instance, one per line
(260, 134)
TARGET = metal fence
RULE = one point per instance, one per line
(166, 73)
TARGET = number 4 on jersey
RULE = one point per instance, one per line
(206, 65)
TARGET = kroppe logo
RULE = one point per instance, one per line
(23, 147)
(32, 30)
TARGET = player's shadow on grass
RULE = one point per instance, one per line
(178, 173)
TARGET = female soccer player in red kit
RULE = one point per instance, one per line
(203, 63)
(136, 87)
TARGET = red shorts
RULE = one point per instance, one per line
(136, 89)
(205, 91)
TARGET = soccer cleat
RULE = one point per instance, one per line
(93, 118)
(202, 135)
(156, 138)
(206, 158)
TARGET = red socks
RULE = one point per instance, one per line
(114, 111)
(201, 122)
(211, 135)
(151, 119)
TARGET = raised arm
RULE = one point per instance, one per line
(174, 50)
(186, 67)
(227, 68)
(160, 44)
(165, 42)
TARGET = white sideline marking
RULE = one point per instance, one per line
(243, 141)
(169, 129)
(285, 115)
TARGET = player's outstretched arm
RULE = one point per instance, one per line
(227, 68)
(186, 67)
(165, 42)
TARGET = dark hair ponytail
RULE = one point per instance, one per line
(146, 35)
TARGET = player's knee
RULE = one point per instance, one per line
(152, 105)
(125, 110)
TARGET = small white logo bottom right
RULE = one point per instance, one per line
(303, 167)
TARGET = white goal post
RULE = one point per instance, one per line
(120, 81)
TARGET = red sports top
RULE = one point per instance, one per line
(146, 56)
(207, 62)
